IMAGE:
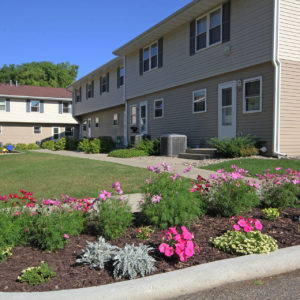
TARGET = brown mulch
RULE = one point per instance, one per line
(286, 231)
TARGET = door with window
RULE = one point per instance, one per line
(227, 110)
(55, 133)
(89, 129)
(143, 118)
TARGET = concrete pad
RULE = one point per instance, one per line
(189, 280)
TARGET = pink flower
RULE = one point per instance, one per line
(169, 251)
(173, 230)
(162, 247)
(116, 185)
(258, 225)
(247, 228)
(66, 236)
(187, 169)
(104, 194)
(156, 198)
(221, 171)
(242, 223)
(278, 168)
(148, 180)
(236, 227)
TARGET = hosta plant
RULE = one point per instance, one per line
(271, 213)
(132, 261)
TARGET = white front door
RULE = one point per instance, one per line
(55, 133)
(227, 110)
(89, 125)
(143, 118)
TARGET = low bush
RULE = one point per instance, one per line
(234, 147)
(60, 144)
(271, 213)
(107, 144)
(150, 147)
(72, 144)
(169, 201)
(21, 147)
(50, 145)
(33, 146)
(84, 145)
(127, 153)
(95, 146)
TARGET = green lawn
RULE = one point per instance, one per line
(256, 165)
(48, 175)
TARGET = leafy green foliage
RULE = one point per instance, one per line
(150, 147)
(84, 145)
(238, 242)
(50, 145)
(37, 275)
(132, 261)
(21, 147)
(40, 74)
(271, 213)
(231, 198)
(72, 144)
(177, 207)
(33, 146)
(95, 146)
(97, 254)
(282, 196)
(114, 218)
(127, 153)
(234, 147)
(144, 232)
(60, 144)
(107, 144)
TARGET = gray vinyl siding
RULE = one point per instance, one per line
(199, 127)
(251, 44)
(106, 100)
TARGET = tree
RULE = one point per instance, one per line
(40, 74)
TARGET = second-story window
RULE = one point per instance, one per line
(66, 108)
(150, 57)
(90, 90)
(201, 40)
(104, 83)
(78, 95)
(35, 106)
(215, 27)
(2, 104)
(121, 77)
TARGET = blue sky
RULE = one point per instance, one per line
(83, 32)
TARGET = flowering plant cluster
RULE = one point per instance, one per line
(241, 224)
(181, 244)
(144, 232)
(25, 199)
(280, 177)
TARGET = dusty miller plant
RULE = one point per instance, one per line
(132, 260)
(97, 254)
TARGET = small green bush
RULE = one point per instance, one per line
(238, 242)
(50, 145)
(84, 145)
(72, 144)
(33, 146)
(271, 213)
(37, 275)
(234, 147)
(107, 144)
(21, 147)
(281, 196)
(60, 144)
(95, 146)
(151, 147)
(127, 153)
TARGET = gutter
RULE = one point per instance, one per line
(277, 74)
(34, 97)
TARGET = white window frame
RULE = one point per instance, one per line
(72, 131)
(115, 121)
(39, 107)
(205, 102)
(2, 99)
(39, 127)
(244, 95)
(69, 108)
(130, 119)
(163, 108)
(57, 133)
(150, 56)
(207, 16)
(97, 122)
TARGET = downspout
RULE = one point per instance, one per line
(124, 99)
(277, 68)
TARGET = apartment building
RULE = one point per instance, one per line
(30, 114)
(214, 69)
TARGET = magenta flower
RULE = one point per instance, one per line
(156, 198)
(162, 247)
(148, 180)
(236, 227)
(187, 169)
(221, 171)
(66, 236)
(242, 223)
(169, 251)
(247, 228)
(258, 225)
(173, 230)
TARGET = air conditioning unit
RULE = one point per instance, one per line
(172, 144)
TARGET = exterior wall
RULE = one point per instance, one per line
(251, 44)
(51, 113)
(23, 132)
(106, 100)
(106, 127)
(290, 108)
(199, 127)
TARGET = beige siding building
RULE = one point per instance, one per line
(30, 114)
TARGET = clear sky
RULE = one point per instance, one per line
(83, 32)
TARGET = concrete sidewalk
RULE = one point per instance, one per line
(177, 164)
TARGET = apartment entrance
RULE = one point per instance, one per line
(143, 118)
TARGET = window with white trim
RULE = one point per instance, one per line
(116, 119)
(84, 125)
(199, 101)
(34, 105)
(69, 131)
(66, 108)
(133, 111)
(150, 60)
(209, 29)
(158, 108)
(97, 122)
(253, 95)
(37, 129)
(2, 104)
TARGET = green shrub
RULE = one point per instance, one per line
(107, 144)
(271, 213)
(60, 144)
(21, 147)
(37, 275)
(234, 147)
(177, 206)
(50, 145)
(238, 242)
(150, 147)
(33, 146)
(127, 153)
(281, 196)
(231, 198)
(84, 145)
(95, 146)
(72, 144)
(114, 217)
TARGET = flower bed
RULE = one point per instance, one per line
(178, 240)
